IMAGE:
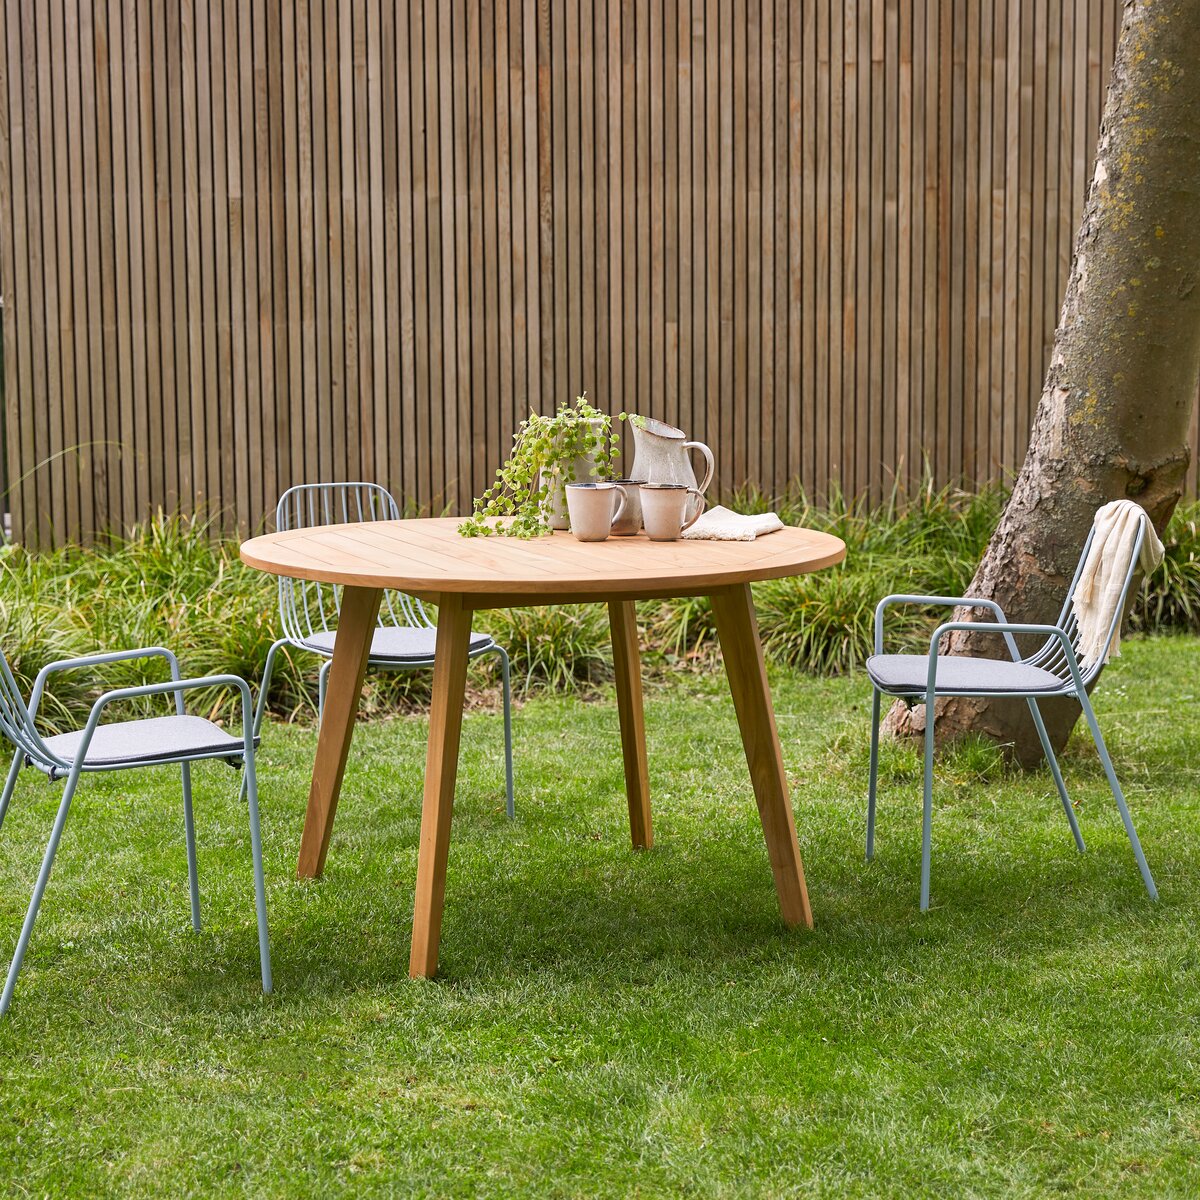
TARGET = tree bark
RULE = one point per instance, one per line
(1113, 416)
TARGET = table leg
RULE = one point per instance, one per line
(441, 768)
(738, 630)
(356, 627)
(622, 615)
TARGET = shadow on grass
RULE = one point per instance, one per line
(618, 918)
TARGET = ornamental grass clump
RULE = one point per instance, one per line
(548, 452)
(175, 581)
(926, 542)
(1170, 597)
(556, 648)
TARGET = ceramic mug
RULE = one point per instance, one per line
(590, 506)
(628, 522)
(664, 509)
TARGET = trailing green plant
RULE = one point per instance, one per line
(546, 454)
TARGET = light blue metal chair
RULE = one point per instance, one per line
(123, 745)
(1052, 670)
(405, 638)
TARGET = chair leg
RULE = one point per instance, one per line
(10, 785)
(322, 688)
(508, 749)
(1035, 712)
(265, 686)
(927, 819)
(43, 878)
(189, 831)
(260, 709)
(874, 774)
(260, 887)
(1118, 796)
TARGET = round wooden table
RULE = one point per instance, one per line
(429, 559)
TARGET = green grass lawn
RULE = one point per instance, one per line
(613, 1023)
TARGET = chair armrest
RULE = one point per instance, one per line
(99, 659)
(888, 601)
(1006, 629)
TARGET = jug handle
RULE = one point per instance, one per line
(708, 457)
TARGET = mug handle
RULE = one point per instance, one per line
(700, 506)
(620, 506)
(708, 458)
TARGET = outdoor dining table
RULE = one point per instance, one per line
(430, 559)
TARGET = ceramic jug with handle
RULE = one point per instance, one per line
(661, 454)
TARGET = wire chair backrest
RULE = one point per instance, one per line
(1051, 656)
(307, 608)
(17, 725)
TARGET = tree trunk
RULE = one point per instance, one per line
(1113, 417)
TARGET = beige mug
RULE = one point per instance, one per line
(590, 506)
(629, 520)
(664, 509)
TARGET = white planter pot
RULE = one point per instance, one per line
(557, 499)
(582, 468)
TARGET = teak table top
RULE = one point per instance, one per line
(428, 556)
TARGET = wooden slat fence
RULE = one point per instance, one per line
(251, 242)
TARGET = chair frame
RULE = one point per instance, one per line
(18, 723)
(1058, 654)
(308, 608)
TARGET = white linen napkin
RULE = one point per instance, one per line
(721, 524)
(1099, 588)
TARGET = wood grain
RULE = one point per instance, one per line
(428, 556)
(627, 670)
(744, 665)
(244, 245)
(356, 627)
(441, 770)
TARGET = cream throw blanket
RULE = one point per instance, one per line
(1099, 589)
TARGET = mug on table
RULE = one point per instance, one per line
(629, 520)
(590, 506)
(664, 509)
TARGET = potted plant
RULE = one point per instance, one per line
(528, 498)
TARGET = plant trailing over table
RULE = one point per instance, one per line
(545, 454)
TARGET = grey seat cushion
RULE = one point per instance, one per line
(146, 740)
(396, 643)
(903, 673)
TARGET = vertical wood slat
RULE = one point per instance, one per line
(243, 245)
(11, 185)
(59, 365)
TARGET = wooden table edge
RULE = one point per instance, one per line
(518, 593)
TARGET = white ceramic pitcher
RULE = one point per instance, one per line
(660, 455)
